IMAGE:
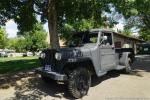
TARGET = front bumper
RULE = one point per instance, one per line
(52, 75)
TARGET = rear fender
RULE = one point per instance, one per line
(124, 58)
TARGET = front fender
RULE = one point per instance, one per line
(73, 63)
(124, 58)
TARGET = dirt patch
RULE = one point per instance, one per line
(29, 86)
(8, 80)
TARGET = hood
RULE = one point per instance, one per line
(84, 50)
(88, 46)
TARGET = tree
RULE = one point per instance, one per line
(137, 13)
(3, 38)
(31, 41)
(12, 43)
(127, 32)
(56, 12)
(17, 44)
(20, 45)
(145, 34)
(36, 39)
(68, 28)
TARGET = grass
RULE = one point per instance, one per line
(15, 64)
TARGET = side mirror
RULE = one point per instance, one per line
(104, 38)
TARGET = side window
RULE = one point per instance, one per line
(106, 39)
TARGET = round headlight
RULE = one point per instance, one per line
(58, 56)
(42, 55)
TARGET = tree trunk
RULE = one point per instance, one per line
(52, 24)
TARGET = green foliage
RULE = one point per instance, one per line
(21, 11)
(69, 11)
(35, 39)
(21, 45)
(17, 44)
(68, 29)
(77, 10)
(12, 43)
(127, 32)
(145, 34)
(79, 14)
(83, 25)
(31, 41)
(3, 38)
(137, 12)
(56, 12)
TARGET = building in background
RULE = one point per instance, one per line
(123, 41)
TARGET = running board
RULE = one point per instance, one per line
(101, 73)
(119, 67)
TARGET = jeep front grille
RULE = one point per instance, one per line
(49, 59)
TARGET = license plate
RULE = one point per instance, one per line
(48, 67)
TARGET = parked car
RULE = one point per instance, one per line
(143, 48)
(3, 54)
(94, 54)
(27, 54)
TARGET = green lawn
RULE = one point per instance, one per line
(14, 64)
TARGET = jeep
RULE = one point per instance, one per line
(92, 53)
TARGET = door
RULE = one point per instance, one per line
(107, 52)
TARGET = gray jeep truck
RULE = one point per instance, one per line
(93, 53)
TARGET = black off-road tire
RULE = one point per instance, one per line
(79, 82)
(47, 80)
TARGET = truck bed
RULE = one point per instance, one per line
(121, 50)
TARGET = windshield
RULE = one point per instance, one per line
(78, 39)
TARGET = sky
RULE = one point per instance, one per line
(11, 28)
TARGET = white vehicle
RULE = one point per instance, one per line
(94, 55)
